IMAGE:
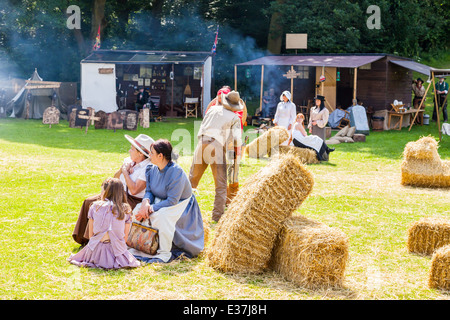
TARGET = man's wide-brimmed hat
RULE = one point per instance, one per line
(419, 79)
(232, 100)
(142, 143)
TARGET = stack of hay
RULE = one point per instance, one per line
(310, 254)
(269, 140)
(432, 236)
(422, 166)
(307, 156)
(246, 233)
(258, 230)
(439, 275)
(428, 234)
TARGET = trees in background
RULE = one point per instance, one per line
(34, 33)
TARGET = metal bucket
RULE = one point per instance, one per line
(426, 119)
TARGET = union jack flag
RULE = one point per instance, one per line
(214, 47)
(97, 40)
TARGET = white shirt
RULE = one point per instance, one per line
(138, 174)
(285, 114)
(221, 124)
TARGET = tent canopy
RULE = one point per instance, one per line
(39, 97)
(316, 60)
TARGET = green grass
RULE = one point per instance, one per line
(46, 173)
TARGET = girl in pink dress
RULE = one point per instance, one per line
(109, 225)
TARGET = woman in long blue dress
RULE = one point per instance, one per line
(171, 207)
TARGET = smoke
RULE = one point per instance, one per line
(40, 39)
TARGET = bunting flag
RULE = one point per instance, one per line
(97, 40)
(214, 47)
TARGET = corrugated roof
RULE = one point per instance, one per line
(342, 61)
(146, 57)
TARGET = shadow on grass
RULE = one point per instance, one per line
(180, 131)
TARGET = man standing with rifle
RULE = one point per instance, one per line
(220, 130)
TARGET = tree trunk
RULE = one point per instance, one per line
(275, 37)
(98, 18)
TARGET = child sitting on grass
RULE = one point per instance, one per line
(109, 225)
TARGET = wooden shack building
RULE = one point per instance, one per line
(376, 79)
(110, 79)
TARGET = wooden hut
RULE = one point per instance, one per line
(375, 79)
(110, 79)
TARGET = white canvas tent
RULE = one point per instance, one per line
(100, 78)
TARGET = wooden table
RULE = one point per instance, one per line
(410, 112)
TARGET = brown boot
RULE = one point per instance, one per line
(232, 189)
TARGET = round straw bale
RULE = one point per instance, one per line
(305, 155)
(310, 254)
(428, 234)
(439, 274)
(270, 139)
(245, 234)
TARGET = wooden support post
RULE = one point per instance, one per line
(420, 106)
(355, 78)
(322, 83)
(438, 122)
(262, 87)
(292, 85)
(235, 77)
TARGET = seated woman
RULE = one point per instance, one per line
(300, 138)
(132, 175)
(171, 208)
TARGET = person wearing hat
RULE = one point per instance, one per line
(132, 176)
(286, 113)
(419, 93)
(441, 88)
(141, 98)
(220, 130)
(232, 165)
(318, 118)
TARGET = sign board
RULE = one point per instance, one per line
(296, 41)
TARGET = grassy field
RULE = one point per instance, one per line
(47, 172)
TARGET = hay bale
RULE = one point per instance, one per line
(310, 254)
(305, 155)
(245, 234)
(270, 139)
(439, 274)
(422, 166)
(428, 234)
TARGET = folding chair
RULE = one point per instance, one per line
(191, 105)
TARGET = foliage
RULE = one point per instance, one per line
(33, 33)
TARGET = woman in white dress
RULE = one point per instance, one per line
(300, 138)
(285, 114)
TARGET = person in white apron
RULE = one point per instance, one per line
(285, 114)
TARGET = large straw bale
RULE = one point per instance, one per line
(307, 156)
(439, 274)
(428, 234)
(310, 254)
(422, 165)
(270, 139)
(245, 234)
